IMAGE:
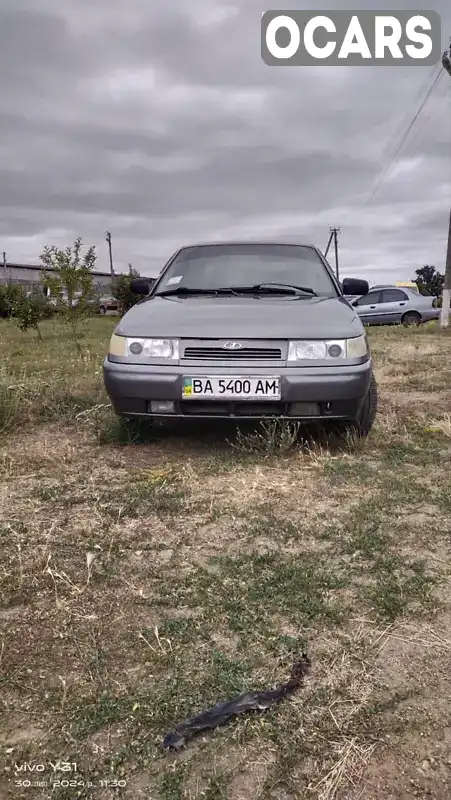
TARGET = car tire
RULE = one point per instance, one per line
(102, 310)
(369, 409)
(361, 427)
(411, 319)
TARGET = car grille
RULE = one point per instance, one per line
(249, 408)
(245, 354)
(217, 409)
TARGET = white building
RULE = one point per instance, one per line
(31, 276)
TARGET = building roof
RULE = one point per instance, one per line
(41, 268)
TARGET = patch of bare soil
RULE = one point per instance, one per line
(414, 399)
(414, 757)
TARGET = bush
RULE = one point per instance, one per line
(3, 301)
(10, 295)
(29, 309)
(429, 281)
(70, 281)
(122, 291)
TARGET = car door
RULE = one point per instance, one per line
(393, 304)
(367, 307)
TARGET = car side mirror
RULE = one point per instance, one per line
(353, 286)
(141, 285)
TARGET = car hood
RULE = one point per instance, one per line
(241, 317)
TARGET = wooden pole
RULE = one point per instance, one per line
(444, 316)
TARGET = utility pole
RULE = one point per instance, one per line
(446, 298)
(446, 59)
(329, 243)
(336, 231)
(5, 267)
(444, 316)
(333, 237)
(108, 238)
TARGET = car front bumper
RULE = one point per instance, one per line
(306, 393)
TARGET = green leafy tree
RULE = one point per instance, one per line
(122, 291)
(30, 309)
(429, 281)
(10, 293)
(5, 306)
(71, 283)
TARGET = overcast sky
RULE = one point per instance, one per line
(158, 120)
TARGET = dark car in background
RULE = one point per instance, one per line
(244, 330)
(108, 304)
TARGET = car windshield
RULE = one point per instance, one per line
(220, 266)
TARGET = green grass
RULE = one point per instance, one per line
(171, 783)
(399, 586)
(48, 381)
(220, 555)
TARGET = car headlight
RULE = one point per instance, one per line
(134, 347)
(333, 350)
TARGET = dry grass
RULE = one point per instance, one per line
(144, 578)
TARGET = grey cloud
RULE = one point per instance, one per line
(162, 124)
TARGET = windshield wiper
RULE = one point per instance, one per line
(187, 290)
(271, 286)
(293, 286)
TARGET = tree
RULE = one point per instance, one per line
(10, 293)
(71, 282)
(30, 309)
(122, 291)
(429, 281)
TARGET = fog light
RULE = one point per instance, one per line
(335, 351)
(304, 409)
(136, 348)
(162, 406)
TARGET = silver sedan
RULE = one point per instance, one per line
(388, 305)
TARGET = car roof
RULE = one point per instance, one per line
(240, 242)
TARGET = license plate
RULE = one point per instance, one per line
(231, 387)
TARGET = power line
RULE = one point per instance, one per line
(422, 129)
(398, 132)
(438, 110)
(382, 176)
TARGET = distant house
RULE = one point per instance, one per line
(31, 276)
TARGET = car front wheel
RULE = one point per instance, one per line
(362, 426)
(369, 409)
